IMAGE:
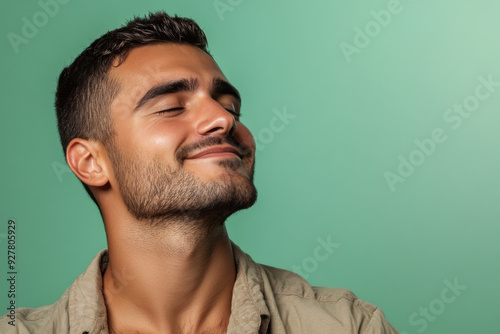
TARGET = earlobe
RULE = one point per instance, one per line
(84, 160)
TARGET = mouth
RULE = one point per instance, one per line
(218, 152)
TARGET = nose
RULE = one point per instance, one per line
(214, 119)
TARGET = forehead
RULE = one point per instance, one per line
(150, 65)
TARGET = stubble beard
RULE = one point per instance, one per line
(157, 194)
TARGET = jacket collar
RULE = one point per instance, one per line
(249, 313)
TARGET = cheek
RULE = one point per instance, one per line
(167, 136)
(158, 138)
(243, 135)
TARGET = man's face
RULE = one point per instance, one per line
(178, 147)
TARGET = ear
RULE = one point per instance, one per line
(85, 159)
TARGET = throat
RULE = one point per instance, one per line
(170, 284)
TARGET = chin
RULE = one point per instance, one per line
(230, 167)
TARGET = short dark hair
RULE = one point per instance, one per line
(85, 90)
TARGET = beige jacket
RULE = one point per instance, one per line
(265, 300)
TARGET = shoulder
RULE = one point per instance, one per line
(31, 320)
(285, 283)
(80, 302)
(297, 300)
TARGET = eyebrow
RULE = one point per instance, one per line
(219, 87)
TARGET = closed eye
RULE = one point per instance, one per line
(170, 110)
(234, 112)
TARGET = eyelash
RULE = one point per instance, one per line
(169, 110)
(237, 115)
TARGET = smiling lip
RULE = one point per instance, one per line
(219, 151)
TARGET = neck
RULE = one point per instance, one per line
(173, 278)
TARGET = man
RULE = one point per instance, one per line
(150, 125)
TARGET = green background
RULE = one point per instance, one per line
(319, 176)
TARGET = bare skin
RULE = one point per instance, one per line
(176, 275)
(171, 282)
